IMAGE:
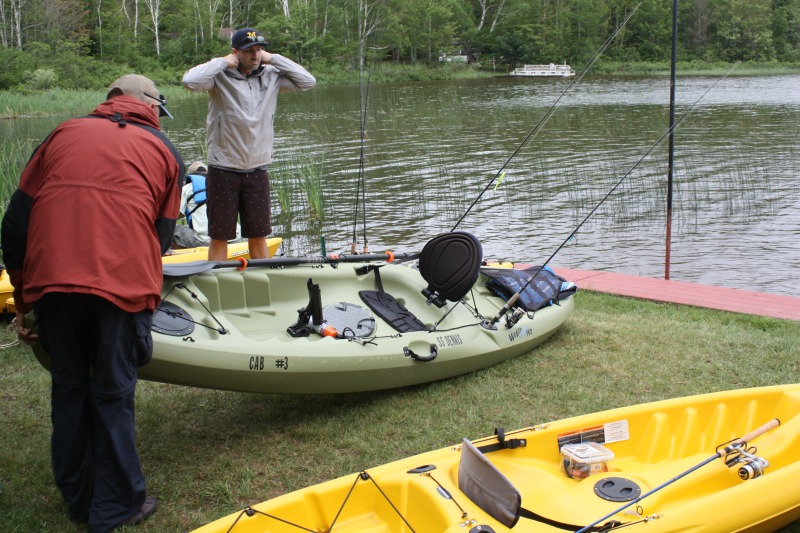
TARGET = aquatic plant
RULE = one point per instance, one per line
(13, 157)
(310, 174)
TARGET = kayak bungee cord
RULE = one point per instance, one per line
(221, 330)
(249, 511)
(550, 112)
(512, 300)
(361, 476)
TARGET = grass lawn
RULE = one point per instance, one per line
(208, 453)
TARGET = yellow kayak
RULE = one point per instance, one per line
(678, 465)
(235, 250)
(6, 294)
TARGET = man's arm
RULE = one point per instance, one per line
(293, 76)
(201, 77)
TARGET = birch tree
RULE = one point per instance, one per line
(133, 20)
(369, 20)
(489, 9)
(3, 25)
(16, 21)
(154, 8)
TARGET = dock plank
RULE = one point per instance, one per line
(682, 292)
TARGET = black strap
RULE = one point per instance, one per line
(195, 193)
(195, 208)
(530, 515)
(502, 443)
(120, 120)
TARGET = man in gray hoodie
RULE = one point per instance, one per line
(243, 89)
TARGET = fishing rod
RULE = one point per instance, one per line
(513, 299)
(190, 268)
(361, 190)
(550, 112)
(738, 446)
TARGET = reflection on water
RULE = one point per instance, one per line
(433, 148)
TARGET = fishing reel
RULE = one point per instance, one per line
(750, 465)
(514, 317)
(753, 468)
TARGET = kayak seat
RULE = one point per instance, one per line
(487, 487)
(450, 264)
(388, 308)
(391, 311)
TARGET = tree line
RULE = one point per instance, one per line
(81, 43)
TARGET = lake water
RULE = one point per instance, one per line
(432, 149)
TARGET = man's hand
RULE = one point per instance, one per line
(266, 57)
(25, 334)
(232, 60)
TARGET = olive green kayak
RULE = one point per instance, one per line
(348, 324)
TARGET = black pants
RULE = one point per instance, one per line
(95, 349)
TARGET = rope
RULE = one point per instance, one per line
(361, 476)
(11, 328)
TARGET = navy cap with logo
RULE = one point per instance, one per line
(247, 37)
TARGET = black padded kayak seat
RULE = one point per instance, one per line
(450, 264)
(391, 311)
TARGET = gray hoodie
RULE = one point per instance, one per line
(241, 110)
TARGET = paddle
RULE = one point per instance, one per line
(177, 270)
(736, 445)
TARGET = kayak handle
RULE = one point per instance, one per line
(421, 358)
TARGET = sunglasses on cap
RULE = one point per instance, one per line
(162, 102)
(258, 39)
(248, 41)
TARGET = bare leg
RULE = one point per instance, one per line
(258, 248)
(218, 250)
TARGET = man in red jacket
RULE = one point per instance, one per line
(82, 241)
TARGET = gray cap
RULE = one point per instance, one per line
(197, 167)
(142, 88)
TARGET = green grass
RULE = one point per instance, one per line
(61, 102)
(13, 158)
(208, 453)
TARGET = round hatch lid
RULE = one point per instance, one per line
(173, 320)
(617, 489)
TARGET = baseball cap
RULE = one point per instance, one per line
(142, 88)
(197, 166)
(247, 37)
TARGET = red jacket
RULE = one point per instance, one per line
(95, 210)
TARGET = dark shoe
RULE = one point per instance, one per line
(148, 508)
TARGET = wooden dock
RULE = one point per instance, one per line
(681, 292)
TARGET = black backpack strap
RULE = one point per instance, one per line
(120, 120)
(195, 208)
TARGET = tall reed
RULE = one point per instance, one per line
(311, 183)
(281, 187)
(61, 102)
(13, 158)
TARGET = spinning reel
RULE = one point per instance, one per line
(750, 465)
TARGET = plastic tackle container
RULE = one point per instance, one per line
(582, 460)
